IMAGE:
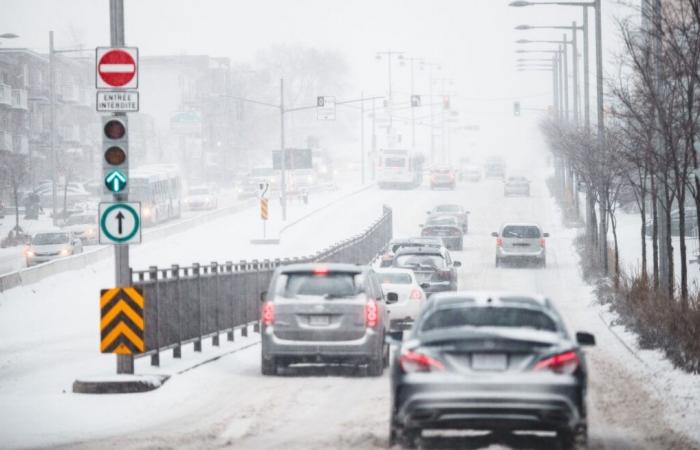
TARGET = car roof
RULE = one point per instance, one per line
(331, 267)
(420, 251)
(451, 205)
(519, 224)
(394, 270)
(495, 299)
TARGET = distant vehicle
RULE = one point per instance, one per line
(434, 268)
(443, 177)
(455, 211)
(446, 227)
(262, 175)
(470, 173)
(84, 226)
(521, 242)
(495, 167)
(328, 313)
(404, 296)
(159, 189)
(397, 168)
(489, 360)
(50, 245)
(516, 185)
(396, 244)
(200, 197)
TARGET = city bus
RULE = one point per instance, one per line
(399, 168)
(159, 189)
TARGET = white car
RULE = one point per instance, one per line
(83, 226)
(200, 197)
(50, 245)
(404, 296)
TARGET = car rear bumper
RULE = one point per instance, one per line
(318, 351)
(514, 407)
(503, 254)
(442, 183)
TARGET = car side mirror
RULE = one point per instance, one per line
(425, 285)
(584, 338)
(263, 296)
(545, 234)
(428, 212)
(394, 337)
(420, 226)
(494, 234)
(457, 263)
(392, 297)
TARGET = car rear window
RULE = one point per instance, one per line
(395, 162)
(394, 278)
(521, 231)
(330, 285)
(447, 208)
(488, 317)
(414, 261)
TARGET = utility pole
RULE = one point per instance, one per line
(566, 77)
(574, 33)
(283, 156)
(52, 121)
(389, 55)
(125, 363)
(586, 74)
(362, 135)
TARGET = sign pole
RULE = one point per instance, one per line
(125, 363)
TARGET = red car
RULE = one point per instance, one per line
(443, 177)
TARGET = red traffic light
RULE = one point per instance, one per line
(114, 129)
(115, 156)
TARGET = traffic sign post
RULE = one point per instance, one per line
(120, 223)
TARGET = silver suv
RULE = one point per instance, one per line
(324, 313)
(521, 242)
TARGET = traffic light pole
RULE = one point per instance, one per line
(125, 363)
(283, 156)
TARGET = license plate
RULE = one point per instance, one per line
(489, 361)
(319, 320)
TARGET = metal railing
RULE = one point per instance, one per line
(189, 304)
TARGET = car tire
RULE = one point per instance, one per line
(405, 438)
(375, 365)
(498, 262)
(268, 366)
(572, 440)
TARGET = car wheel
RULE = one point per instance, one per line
(375, 366)
(406, 438)
(572, 440)
(498, 262)
(268, 366)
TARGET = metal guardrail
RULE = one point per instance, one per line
(189, 304)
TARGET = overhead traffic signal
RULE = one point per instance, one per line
(415, 101)
(115, 146)
(516, 109)
(446, 102)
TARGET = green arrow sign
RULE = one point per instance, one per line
(115, 181)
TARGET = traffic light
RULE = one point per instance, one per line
(516, 109)
(115, 145)
(446, 102)
(415, 101)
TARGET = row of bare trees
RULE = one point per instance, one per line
(648, 151)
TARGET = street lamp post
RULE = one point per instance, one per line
(389, 55)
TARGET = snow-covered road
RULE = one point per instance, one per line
(228, 404)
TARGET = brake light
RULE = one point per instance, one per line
(321, 271)
(371, 314)
(499, 242)
(563, 363)
(268, 314)
(412, 362)
(542, 243)
(416, 295)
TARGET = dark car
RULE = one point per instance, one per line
(324, 313)
(446, 227)
(434, 268)
(457, 211)
(489, 361)
(443, 177)
(395, 244)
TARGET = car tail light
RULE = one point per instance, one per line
(416, 295)
(499, 242)
(564, 363)
(442, 275)
(321, 271)
(371, 314)
(542, 243)
(412, 362)
(267, 315)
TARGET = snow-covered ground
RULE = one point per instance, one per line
(48, 337)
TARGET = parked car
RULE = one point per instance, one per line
(445, 227)
(516, 185)
(521, 242)
(50, 245)
(324, 313)
(489, 360)
(404, 296)
(442, 177)
(201, 198)
(470, 173)
(435, 269)
(395, 244)
(84, 226)
(455, 211)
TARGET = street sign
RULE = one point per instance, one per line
(117, 101)
(120, 222)
(116, 68)
(264, 208)
(115, 181)
(325, 108)
(122, 321)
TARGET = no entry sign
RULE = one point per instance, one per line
(117, 68)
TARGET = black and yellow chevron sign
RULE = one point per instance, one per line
(121, 321)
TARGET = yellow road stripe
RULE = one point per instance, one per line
(119, 307)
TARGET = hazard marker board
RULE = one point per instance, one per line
(122, 322)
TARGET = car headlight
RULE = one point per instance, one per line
(146, 212)
(89, 231)
(30, 253)
(64, 252)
